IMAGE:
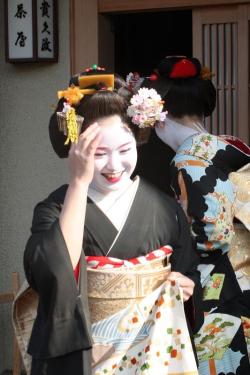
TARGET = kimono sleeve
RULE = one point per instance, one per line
(185, 260)
(207, 202)
(61, 326)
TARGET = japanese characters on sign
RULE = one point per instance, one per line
(20, 29)
(31, 30)
(45, 29)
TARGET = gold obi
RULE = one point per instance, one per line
(111, 290)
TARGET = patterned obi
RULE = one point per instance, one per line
(113, 284)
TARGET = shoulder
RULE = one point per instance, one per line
(58, 195)
(48, 210)
(158, 197)
(203, 146)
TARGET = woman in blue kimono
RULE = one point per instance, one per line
(202, 173)
(100, 213)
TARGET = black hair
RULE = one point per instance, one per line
(101, 104)
(183, 96)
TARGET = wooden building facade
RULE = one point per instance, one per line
(219, 32)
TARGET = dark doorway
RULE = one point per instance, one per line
(141, 41)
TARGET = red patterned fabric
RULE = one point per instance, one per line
(109, 262)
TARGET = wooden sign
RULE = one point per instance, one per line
(31, 28)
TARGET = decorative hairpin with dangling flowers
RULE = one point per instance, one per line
(68, 121)
(146, 108)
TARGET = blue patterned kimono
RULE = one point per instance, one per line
(200, 181)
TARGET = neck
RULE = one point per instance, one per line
(193, 122)
(176, 130)
(110, 193)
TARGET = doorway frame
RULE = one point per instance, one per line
(88, 24)
(109, 6)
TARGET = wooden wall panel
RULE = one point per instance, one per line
(221, 41)
(106, 52)
(108, 6)
(83, 34)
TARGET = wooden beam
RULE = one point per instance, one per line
(109, 6)
(106, 48)
(83, 34)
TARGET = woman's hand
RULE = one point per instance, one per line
(81, 155)
(184, 282)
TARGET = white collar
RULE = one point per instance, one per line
(115, 205)
(174, 134)
(106, 201)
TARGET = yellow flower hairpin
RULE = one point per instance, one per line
(73, 95)
(70, 123)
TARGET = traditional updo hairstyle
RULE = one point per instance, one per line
(184, 86)
(102, 103)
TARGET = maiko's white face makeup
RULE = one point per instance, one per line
(115, 157)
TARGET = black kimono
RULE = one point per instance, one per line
(61, 338)
(201, 179)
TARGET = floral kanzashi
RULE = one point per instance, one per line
(146, 108)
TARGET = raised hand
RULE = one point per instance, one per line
(81, 155)
(81, 169)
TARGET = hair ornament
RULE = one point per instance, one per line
(206, 73)
(146, 108)
(73, 95)
(94, 67)
(183, 69)
(95, 76)
(134, 81)
(153, 77)
(69, 123)
(103, 80)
